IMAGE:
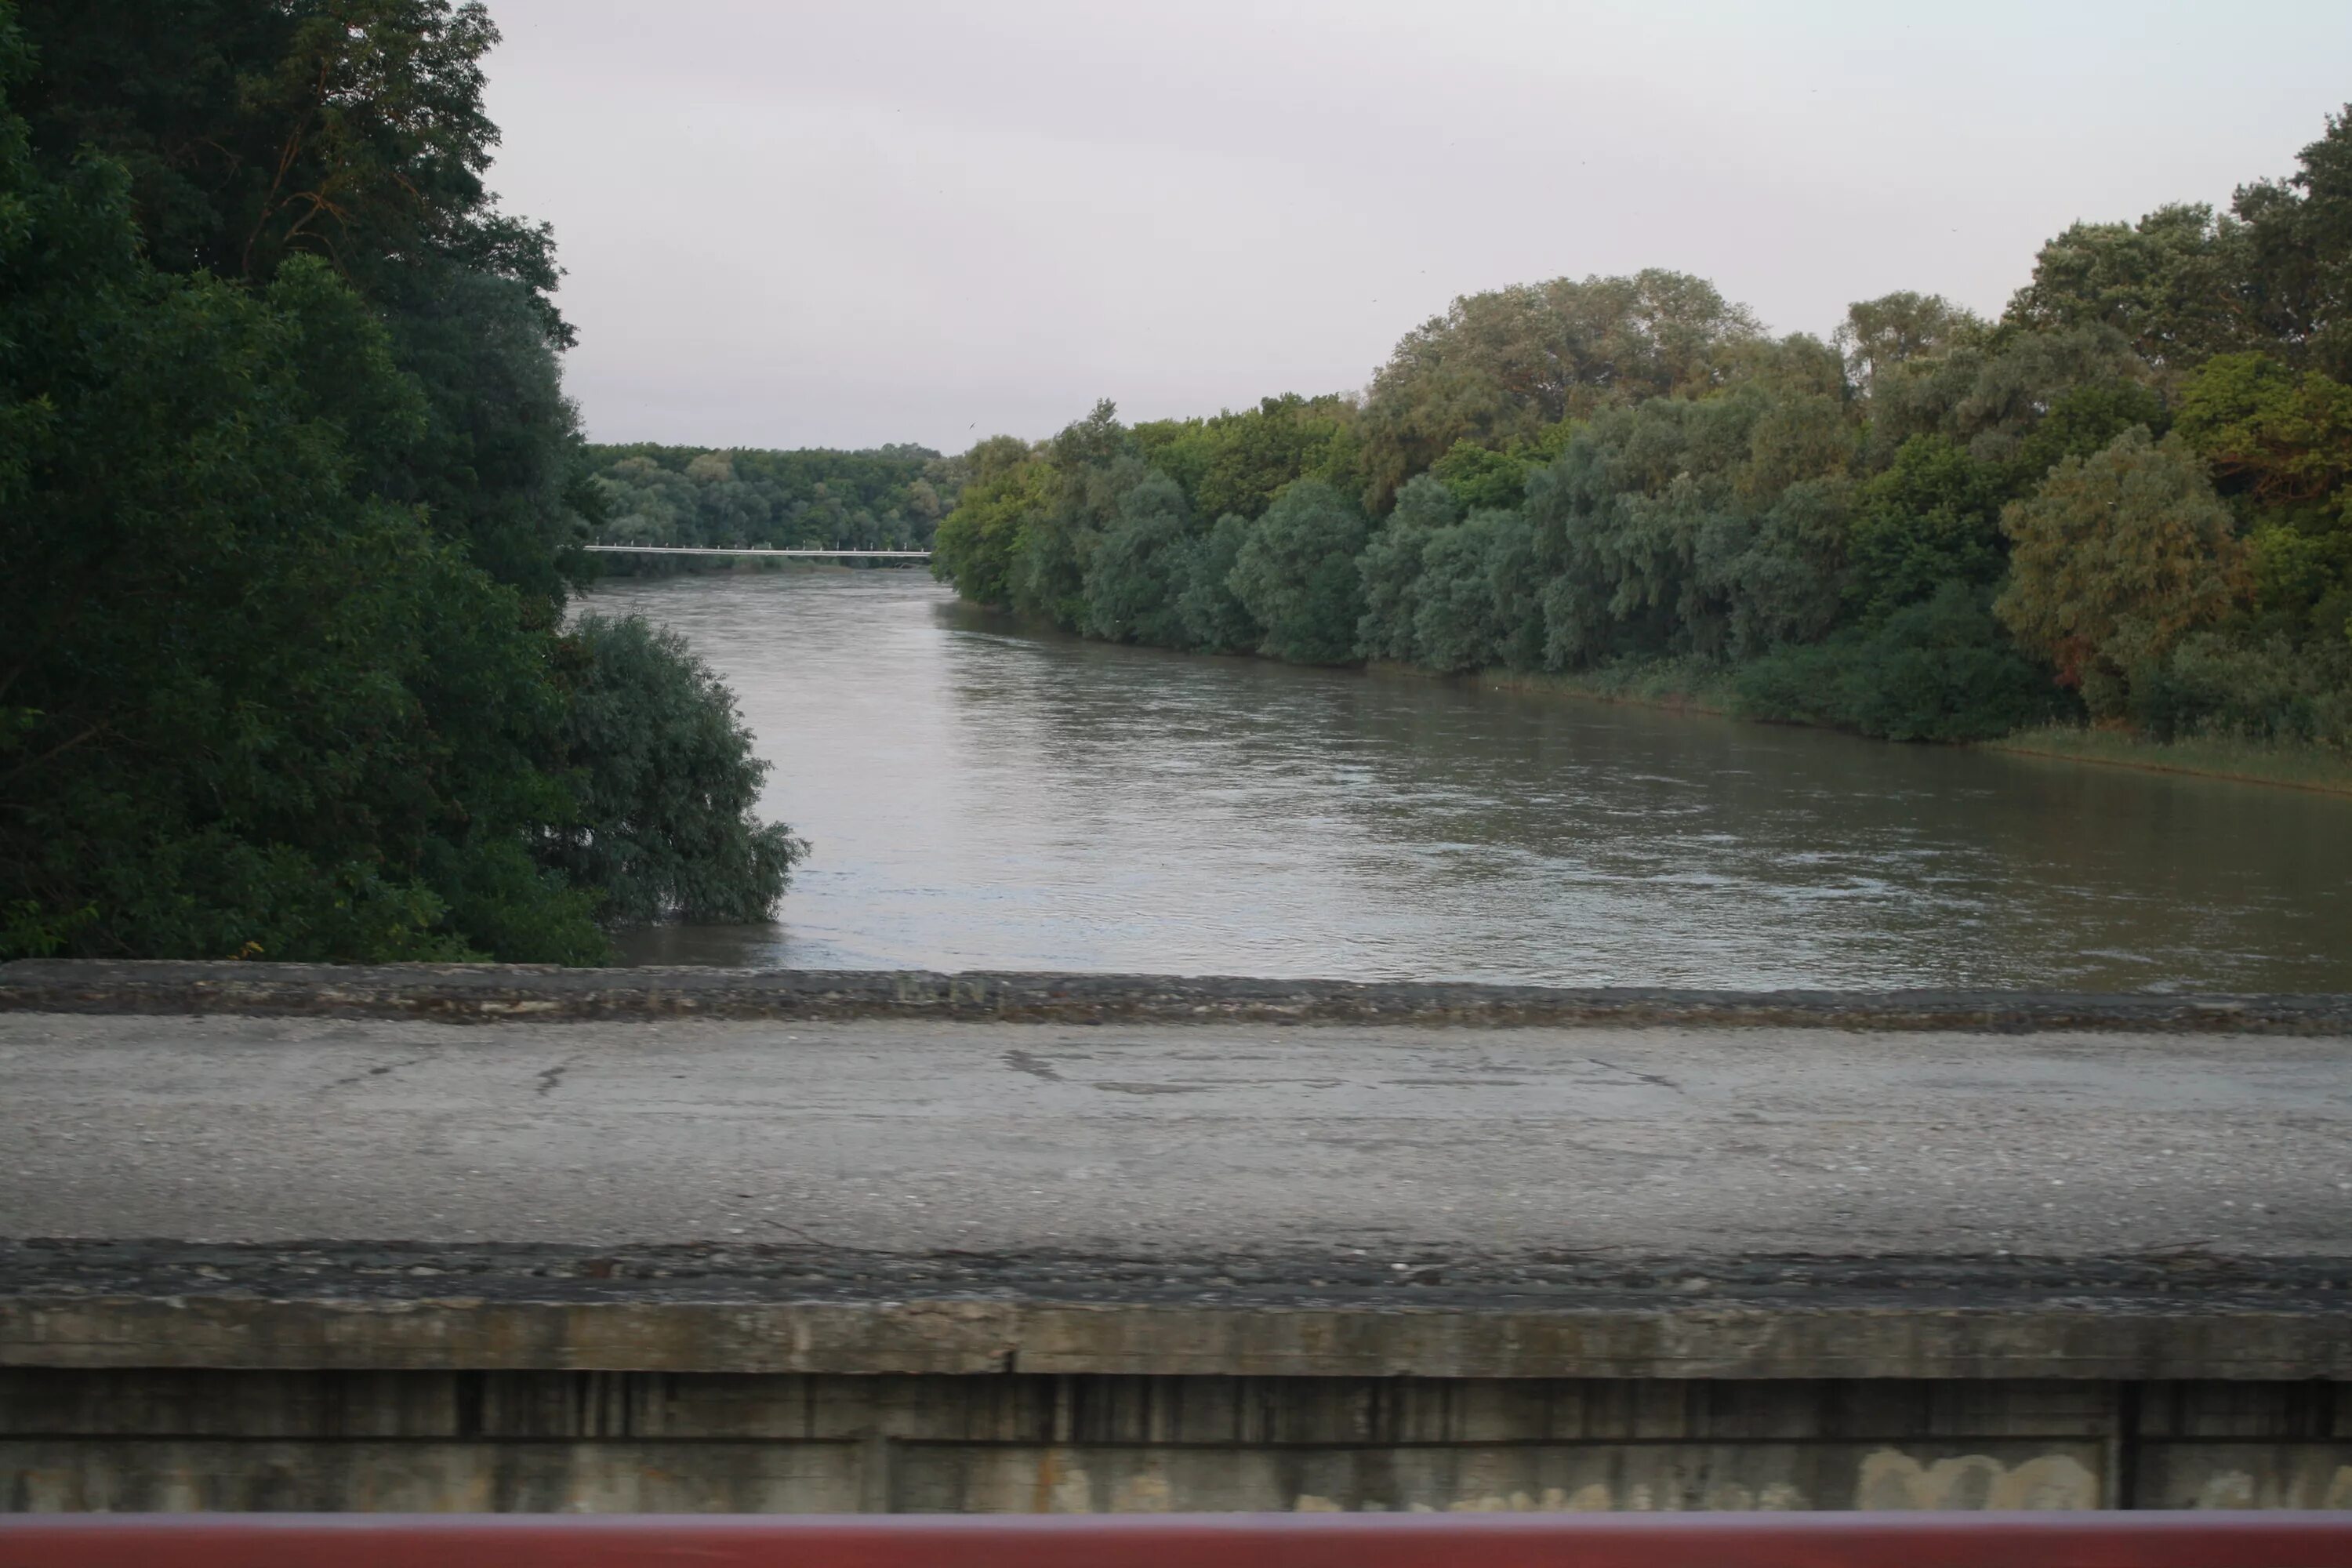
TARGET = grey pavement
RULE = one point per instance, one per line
(913, 1137)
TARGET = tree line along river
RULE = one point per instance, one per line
(983, 796)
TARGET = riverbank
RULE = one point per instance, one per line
(1680, 686)
(1692, 686)
(2305, 767)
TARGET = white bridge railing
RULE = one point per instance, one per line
(721, 549)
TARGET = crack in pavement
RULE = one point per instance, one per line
(1658, 1079)
(384, 1071)
(1036, 1066)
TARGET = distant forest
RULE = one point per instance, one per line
(2123, 501)
(890, 498)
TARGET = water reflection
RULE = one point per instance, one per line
(980, 797)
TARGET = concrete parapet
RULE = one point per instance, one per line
(800, 1311)
(681, 1379)
(473, 994)
(1057, 1268)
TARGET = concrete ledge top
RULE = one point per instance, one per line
(480, 993)
(803, 1310)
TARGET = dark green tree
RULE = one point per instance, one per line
(1215, 618)
(1137, 579)
(1295, 575)
(1933, 518)
(288, 516)
(1392, 564)
(665, 771)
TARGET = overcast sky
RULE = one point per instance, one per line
(803, 225)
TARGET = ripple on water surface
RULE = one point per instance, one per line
(983, 798)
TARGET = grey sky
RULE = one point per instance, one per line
(797, 225)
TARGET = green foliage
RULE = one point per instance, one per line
(2300, 255)
(1503, 367)
(2301, 571)
(1878, 335)
(1391, 567)
(888, 498)
(2079, 423)
(1240, 462)
(666, 776)
(255, 133)
(1480, 479)
(2247, 689)
(1934, 517)
(978, 545)
(1681, 526)
(2282, 436)
(256, 708)
(2174, 284)
(288, 516)
(1024, 534)
(1215, 619)
(1990, 394)
(1941, 669)
(1091, 469)
(1477, 605)
(1295, 575)
(1140, 571)
(1650, 483)
(2114, 559)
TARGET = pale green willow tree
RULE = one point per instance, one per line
(2117, 558)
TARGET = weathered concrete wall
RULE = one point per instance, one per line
(100, 1306)
(978, 1337)
(430, 1441)
(485, 993)
(1000, 1264)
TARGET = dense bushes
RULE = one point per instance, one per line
(1940, 669)
(2127, 499)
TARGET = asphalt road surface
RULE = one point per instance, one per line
(907, 1138)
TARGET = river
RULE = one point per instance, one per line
(982, 796)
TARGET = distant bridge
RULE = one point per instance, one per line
(802, 554)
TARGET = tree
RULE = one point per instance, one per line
(2175, 284)
(978, 546)
(666, 774)
(2114, 559)
(1933, 518)
(1481, 479)
(1894, 328)
(1475, 592)
(1990, 397)
(1215, 619)
(1648, 529)
(1239, 462)
(287, 520)
(883, 499)
(2299, 235)
(1500, 367)
(1783, 573)
(248, 708)
(1391, 568)
(1138, 575)
(2284, 436)
(1295, 575)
